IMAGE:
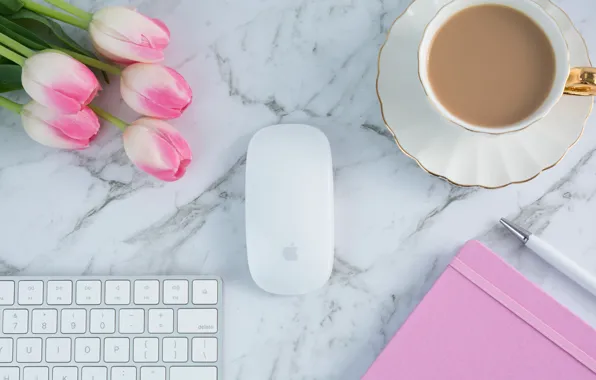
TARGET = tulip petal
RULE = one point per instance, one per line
(125, 52)
(157, 148)
(51, 128)
(155, 90)
(123, 34)
(56, 80)
(50, 98)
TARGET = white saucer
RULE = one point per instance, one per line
(463, 157)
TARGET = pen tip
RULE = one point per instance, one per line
(521, 233)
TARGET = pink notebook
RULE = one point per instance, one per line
(482, 320)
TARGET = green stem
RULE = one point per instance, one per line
(10, 105)
(67, 7)
(91, 61)
(109, 117)
(16, 46)
(7, 53)
(52, 13)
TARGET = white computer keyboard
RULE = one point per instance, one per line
(108, 328)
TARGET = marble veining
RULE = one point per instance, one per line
(253, 63)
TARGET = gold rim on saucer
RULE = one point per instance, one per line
(442, 176)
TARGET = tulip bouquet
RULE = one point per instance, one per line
(37, 56)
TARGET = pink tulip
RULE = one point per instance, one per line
(52, 128)
(157, 148)
(59, 81)
(155, 90)
(124, 35)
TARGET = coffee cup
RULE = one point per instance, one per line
(565, 80)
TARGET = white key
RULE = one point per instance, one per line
(44, 321)
(204, 292)
(88, 292)
(103, 321)
(146, 350)
(64, 373)
(9, 373)
(117, 292)
(87, 350)
(36, 373)
(124, 373)
(204, 350)
(74, 321)
(94, 373)
(175, 292)
(146, 292)
(28, 350)
(30, 292)
(192, 321)
(15, 321)
(59, 292)
(153, 373)
(202, 373)
(5, 350)
(175, 350)
(6, 292)
(161, 321)
(58, 350)
(132, 321)
(116, 350)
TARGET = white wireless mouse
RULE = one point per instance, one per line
(289, 209)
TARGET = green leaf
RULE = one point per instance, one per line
(10, 78)
(22, 34)
(8, 7)
(40, 30)
(48, 30)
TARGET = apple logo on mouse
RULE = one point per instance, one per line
(290, 253)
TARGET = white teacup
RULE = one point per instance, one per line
(573, 81)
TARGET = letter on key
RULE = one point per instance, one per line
(193, 321)
(9, 373)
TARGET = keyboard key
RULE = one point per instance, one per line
(117, 292)
(28, 350)
(153, 373)
(204, 350)
(146, 350)
(88, 292)
(161, 321)
(103, 321)
(193, 321)
(87, 350)
(9, 373)
(175, 292)
(94, 373)
(204, 292)
(15, 321)
(6, 292)
(116, 350)
(146, 292)
(124, 373)
(74, 321)
(44, 321)
(175, 350)
(36, 373)
(203, 373)
(30, 292)
(5, 350)
(58, 350)
(132, 321)
(64, 373)
(59, 293)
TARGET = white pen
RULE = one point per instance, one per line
(552, 256)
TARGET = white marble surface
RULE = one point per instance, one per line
(253, 63)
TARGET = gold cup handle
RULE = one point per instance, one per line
(581, 81)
